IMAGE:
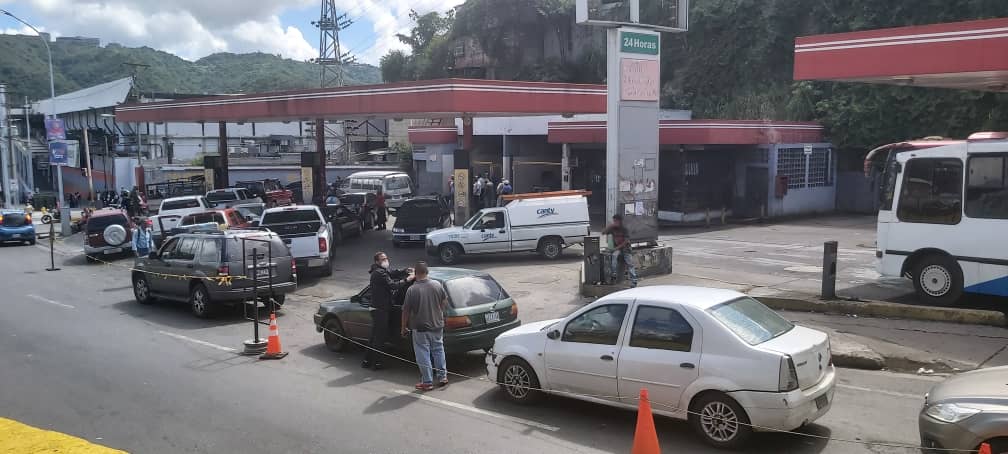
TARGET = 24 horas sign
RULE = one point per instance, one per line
(639, 43)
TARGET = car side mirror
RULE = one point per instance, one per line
(153, 255)
(355, 299)
(249, 218)
(555, 334)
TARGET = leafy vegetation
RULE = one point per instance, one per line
(736, 61)
(24, 67)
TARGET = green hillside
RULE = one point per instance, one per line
(23, 67)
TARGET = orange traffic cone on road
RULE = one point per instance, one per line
(273, 349)
(645, 440)
(985, 448)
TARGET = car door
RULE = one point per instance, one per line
(584, 358)
(157, 268)
(180, 263)
(357, 319)
(489, 234)
(345, 220)
(661, 353)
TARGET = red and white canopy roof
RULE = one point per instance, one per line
(698, 132)
(964, 55)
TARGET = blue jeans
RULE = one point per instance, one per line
(616, 256)
(428, 346)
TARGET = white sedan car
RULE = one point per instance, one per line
(717, 358)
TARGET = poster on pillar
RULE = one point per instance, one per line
(307, 184)
(632, 130)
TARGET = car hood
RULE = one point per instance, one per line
(445, 232)
(526, 329)
(989, 382)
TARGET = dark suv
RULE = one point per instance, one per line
(107, 232)
(207, 270)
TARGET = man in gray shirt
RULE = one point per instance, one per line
(423, 312)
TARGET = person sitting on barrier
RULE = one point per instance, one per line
(621, 248)
(384, 281)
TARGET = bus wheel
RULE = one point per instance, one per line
(938, 280)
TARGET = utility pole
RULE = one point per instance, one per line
(331, 57)
(28, 148)
(5, 147)
(139, 173)
(89, 168)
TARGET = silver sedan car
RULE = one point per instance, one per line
(965, 411)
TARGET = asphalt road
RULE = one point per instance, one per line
(80, 356)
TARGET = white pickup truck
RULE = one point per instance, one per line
(545, 224)
(171, 212)
(229, 197)
(305, 230)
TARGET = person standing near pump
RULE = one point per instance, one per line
(143, 241)
(423, 312)
(384, 281)
(621, 249)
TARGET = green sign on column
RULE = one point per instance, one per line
(639, 43)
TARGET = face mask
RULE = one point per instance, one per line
(385, 264)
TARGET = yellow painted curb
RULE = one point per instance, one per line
(24, 439)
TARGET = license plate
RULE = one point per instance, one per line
(16, 235)
(262, 273)
(112, 251)
(821, 402)
(491, 317)
(416, 237)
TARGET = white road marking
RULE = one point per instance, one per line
(200, 342)
(881, 391)
(479, 411)
(47, 300)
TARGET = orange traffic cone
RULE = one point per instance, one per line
(645, 437)
(985, 448)
(273, 349)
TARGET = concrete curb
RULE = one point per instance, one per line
(857, 361)
(880, 309)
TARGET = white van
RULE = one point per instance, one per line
(543, 224)
(397, 186)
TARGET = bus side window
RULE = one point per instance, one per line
(986, 187)
(932, 191)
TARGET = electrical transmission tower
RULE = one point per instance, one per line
(331, 58)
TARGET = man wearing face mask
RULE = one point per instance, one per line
(384, 282)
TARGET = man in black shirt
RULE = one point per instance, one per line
(384, 282)
(621, 246)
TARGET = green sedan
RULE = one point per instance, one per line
(479, 309)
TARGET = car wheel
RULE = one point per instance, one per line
(518, 381)
(449, 254)
(551, 248)
(998, 446)
(720, 421)
(327, 269)
(333, 334)
(32, 242)
(938, 280)
(115, 235)
(199, 301)
(141, 289)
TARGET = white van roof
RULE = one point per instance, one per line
(376, 174)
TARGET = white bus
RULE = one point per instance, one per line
(943, 220)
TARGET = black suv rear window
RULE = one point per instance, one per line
(286, 217)
(180, 204)
(98, 224)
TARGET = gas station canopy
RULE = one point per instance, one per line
(424, 99)
(969, 55)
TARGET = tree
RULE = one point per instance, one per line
(396, 66)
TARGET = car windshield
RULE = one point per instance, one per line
(750, 320)
(222, 196)
(180, 204)
(286, 217)
(474, 291)
(424, 208)
(98, 224)
(254, 210)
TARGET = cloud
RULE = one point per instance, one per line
(193, 29)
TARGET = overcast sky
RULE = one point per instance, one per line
(195, 28)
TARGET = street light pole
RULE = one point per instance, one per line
(52, 100)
